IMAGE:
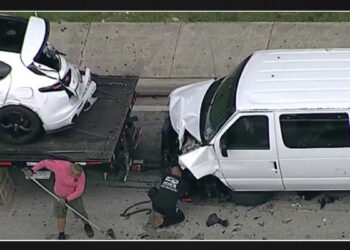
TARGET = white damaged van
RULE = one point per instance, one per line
(278, 122)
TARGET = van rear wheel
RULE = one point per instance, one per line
(250, 198)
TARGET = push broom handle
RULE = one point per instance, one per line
(48, 191)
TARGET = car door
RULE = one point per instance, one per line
(314, 150)
(5, 81)
(246, 149)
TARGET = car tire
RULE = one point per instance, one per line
(169, 147)
(18, 124)
(250, 198)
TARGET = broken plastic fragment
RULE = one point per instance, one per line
(213, 219)
(296, 204)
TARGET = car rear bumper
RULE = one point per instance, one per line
(58, 121)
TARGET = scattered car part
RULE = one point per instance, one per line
(214, 219)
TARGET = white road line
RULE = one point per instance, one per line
(150, 108)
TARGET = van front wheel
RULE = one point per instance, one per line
(250, 198)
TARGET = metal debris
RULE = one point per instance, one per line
(296, 204)
(286, 221)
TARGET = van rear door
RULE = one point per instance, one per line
(314, 150)
(246, 149)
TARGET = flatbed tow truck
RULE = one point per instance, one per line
(104, 137)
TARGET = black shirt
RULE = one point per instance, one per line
(171, 189)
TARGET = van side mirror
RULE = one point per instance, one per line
(223, 147)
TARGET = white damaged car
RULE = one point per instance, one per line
(278, 122)
(39, 89)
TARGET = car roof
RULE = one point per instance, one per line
(295, 79)
(12, 31)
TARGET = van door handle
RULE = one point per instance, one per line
(275, 167)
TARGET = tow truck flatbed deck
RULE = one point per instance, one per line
(95, 133)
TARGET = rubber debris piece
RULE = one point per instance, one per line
(214, 219)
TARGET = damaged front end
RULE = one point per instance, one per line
(200, 162)
(181, 138)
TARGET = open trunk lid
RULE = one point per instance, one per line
(35, 37)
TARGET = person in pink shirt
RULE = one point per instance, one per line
(69, 187)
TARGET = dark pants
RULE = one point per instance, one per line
(172, 215)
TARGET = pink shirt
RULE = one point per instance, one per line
(66, 185)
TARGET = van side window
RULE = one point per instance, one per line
(4, 70)
(248, 132)
(315, 130)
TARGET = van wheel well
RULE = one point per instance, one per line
(206, 187)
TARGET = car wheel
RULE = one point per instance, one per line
(250, 198)
(18, 125)
(169, 147)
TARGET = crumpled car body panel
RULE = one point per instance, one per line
(184, 109)
(201, 162)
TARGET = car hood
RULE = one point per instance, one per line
(35, 37)
(185, 106)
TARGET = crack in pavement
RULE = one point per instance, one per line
(177, 40)
(268, 43)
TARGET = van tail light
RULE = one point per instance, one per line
(66, 79)
(55, 87)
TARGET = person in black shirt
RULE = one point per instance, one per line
(164, 200)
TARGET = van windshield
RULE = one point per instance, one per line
(223, 103)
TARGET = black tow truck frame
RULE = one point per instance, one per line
(103, 136)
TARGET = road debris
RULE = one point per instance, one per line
(296, 204)
(261, 224)
(213, 219)
(198, 236)
(326, 199)
(286, 221)
(308, 195)
(142, 235)
(235, 230)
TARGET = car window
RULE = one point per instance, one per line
(315, 130)
(5, 69)
(248, 132)
(12, 34)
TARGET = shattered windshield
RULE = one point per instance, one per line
(223, 103)
(48, 57)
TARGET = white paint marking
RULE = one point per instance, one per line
(150, 108)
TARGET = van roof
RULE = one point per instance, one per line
(295, 79)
